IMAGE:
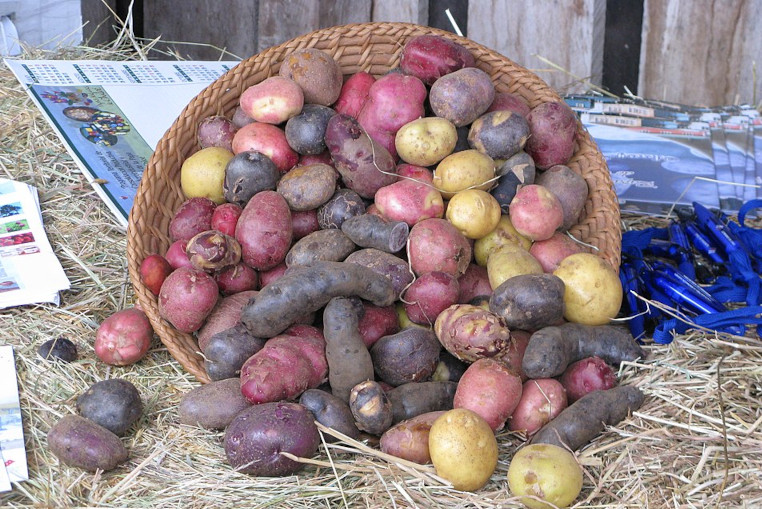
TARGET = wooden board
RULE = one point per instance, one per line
(407, 11)
(214, 31)
(98, 21)
(569, 34)
(701, 52)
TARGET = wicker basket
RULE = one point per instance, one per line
(371, 47)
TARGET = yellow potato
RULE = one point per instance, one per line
(463, 449)
(508, 261)
(426, 141)
(545, 471)
(593, 293)
(473, 212)
(504, 233)
(203, 173)
(467, 169)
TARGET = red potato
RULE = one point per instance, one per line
(304, 222)
(473, 283)
(192, 217)
(323, 157)
(301, 358)
(225, 217)
(587, 375)
(510, 102)
(273, 100)
(226, 314)
(269, 140)
(429, 57)
(176, 254)
(554, 129)
(409, 201)
(154, 269)
(429, 295)
(411, 171)
(491, 389)
(409, 439)
(377, 322)
(513, 354)
(124, 337)
(393, 101)
(237, 278)
(216, 131)
(365, 166)
(550, 252)
(570, 188)
(268, 276)
(264, 230)
(435, 244)
(541, 401)
(187, 297)
(354, 93)
(535, 212)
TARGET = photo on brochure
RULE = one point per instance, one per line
(11, 430)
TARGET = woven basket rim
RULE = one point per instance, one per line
(148, 220)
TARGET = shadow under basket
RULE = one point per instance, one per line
(371, 47)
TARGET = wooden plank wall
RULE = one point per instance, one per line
(697, 52)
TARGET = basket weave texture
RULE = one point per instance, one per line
(371, 47)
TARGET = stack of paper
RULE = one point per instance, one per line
(30, 273)
(12, 451)
(663, 154)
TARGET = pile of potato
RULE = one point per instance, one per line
(388, 256)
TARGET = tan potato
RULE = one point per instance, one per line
(467, 169)
(545, 471)
(316, 72)
(426, 141)
(463, 449)
(203, 173)
(504, 233)
(474, 212)
(593, 292)
(510, 261)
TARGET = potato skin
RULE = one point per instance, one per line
(463, 449)
(541, 401)
(536, 212)
(225, 314)
(370, 407)
(330, 411)
(409, 201)
(308, 187)
(593, 294)
(316, 72)
(256, 436)
(410, 355)
(79, 442)
(273, 100)
(435, 244)
(115, 404)
(409, 439)
(491, 389)
(499, 134)
(554, 129)
(429, 295)
(264, 230)
(425, 141)
(305, 132)
(547, 472)
(344, 204)
(124, 337)
(365, 165)
(551, 251)
(226, 351)
(268, 139)
(246, 174)
(416, 398)
(305, 290)
(203, 172)
(354, 93)
(193, 216)
(587, 375)
(462, 96)
(213, 405)
(465, 169)
(385, 264)
(470, 332)
(529, 301)
(322, 245)
(429, 57)
(569, 187)
(187, 297)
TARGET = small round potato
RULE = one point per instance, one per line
(203, 173)
(547, 472)
(474, 212)
(510, 261)
(593, 292)
(426, 141)
(504, 233)
(463, 449)
(316, 72)
(467, 169)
